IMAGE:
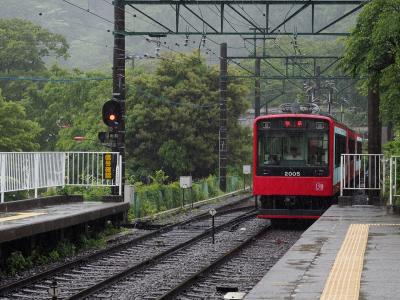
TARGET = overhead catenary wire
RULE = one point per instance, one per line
(88, 11)
(54, 80)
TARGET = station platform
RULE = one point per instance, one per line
(351, 252)
(27, 218)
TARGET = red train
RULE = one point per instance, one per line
(296, 163)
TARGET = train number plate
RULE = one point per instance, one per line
(292, 173)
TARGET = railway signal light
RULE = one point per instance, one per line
(112, 113)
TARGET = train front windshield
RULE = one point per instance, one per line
(293, 143)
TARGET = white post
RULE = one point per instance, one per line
(64, 161)
(341, 175)
(391, 182)
(3, 176)
(384, 173)
(120, 174)
(36, 172)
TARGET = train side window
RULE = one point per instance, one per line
(352, 146)
(359, 147)
(340, 148)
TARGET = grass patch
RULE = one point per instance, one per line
(17, 262)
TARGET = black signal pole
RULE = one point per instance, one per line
(119, 81)
(223, 115)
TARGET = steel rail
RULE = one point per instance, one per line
(216, 263)
(146, 263)
(7, 288)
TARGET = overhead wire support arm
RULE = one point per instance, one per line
(177, 7)
(331, 64)
(150, 18)
(222, 17)
(200, 18)
(245, 2)
(285, 56)
(341, 18)
(234, 6)
(249, 21)
(283, 77)
(291, 16)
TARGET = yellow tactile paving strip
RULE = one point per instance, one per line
(21, 215)
(344, 279)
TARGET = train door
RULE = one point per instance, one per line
(339, 148)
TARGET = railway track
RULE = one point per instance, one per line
(86, 275)
(238, 270)
(160, 279)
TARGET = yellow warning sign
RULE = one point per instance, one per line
(108, 166)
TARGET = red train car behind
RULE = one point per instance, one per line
(296, 163)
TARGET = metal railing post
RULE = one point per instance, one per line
(391, 181)
(384, 174)
(3, 176)
(36, 172)
(120, 174)
(341, 175)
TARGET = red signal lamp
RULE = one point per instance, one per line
(299, 123)
(112, 113)
(287, 124)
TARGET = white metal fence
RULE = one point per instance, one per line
(34, 170)
(362, 172)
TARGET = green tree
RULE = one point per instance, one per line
(373, 52)
(24, 46)
(24, 50)
(173, 116)
(17, 133)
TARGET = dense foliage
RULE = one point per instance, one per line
(17, 132)
(174, 118)
(24, 46)
(373, 53)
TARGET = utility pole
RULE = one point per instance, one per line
(317, 90)
(223, 115)
(257, 85)
(374, 138)
(119, 81)
(330, 90)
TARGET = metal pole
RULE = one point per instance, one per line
(317, 82)
(341, 113)
(257, 85)
(223, 130)
(191, 196)
(213, 230)
(329, 101)
(119, 83)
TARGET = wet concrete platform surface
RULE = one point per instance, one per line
(24, 223)
(303, 272)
